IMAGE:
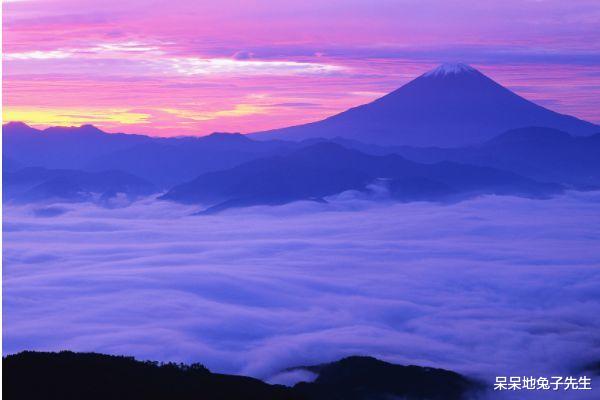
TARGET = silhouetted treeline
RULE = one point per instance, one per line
(90, 376)
(362, 378)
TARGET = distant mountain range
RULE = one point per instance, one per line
(543, 154)
(325, 168)
(447, 135)
(62, 147)
(161, 161)
(33, 184)
(91, 376)
(452, 105)
(222, 170)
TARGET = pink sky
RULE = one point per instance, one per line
(193, 67)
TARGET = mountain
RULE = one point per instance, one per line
(449, 106)
(67, 375)
(539, 153)
(162, 161)
(8, 164)
(357, 378)
(62, 147)
(33, 184)
(91, 376)
(543, 154)
(168, 162)
(325, 168)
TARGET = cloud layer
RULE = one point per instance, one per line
(494, 285)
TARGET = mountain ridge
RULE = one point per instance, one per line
(324, 169)
(538, 153)
(37, 184)
(162, 161)
(68, 375)
(449, 106)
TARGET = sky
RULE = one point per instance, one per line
(194, 67)
(488, 286)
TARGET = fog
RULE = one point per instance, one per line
(490, 286)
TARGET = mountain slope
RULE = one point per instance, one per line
(168, 162)
(33, 184)
(539, 153)
(62, 147)
(326, 168)
(452, 105)
(356, 378)
(67, 375)
(91, 376)
(162, 161)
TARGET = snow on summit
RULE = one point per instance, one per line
(450, 68)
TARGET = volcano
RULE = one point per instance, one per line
(449, 106)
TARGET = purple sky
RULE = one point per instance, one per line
(192, 67)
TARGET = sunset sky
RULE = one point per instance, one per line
(193, 67)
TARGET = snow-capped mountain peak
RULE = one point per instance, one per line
(452, 105)
(450, 69)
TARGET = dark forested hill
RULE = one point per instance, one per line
(357, 378)
(91, 376)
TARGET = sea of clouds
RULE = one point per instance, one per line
(490, 286)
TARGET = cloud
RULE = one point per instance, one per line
(38, 55)
(125, 47)
(243, 55)
(493, 285)
(241, 67)
(73, 116)
(297, 104)
(237, 111)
